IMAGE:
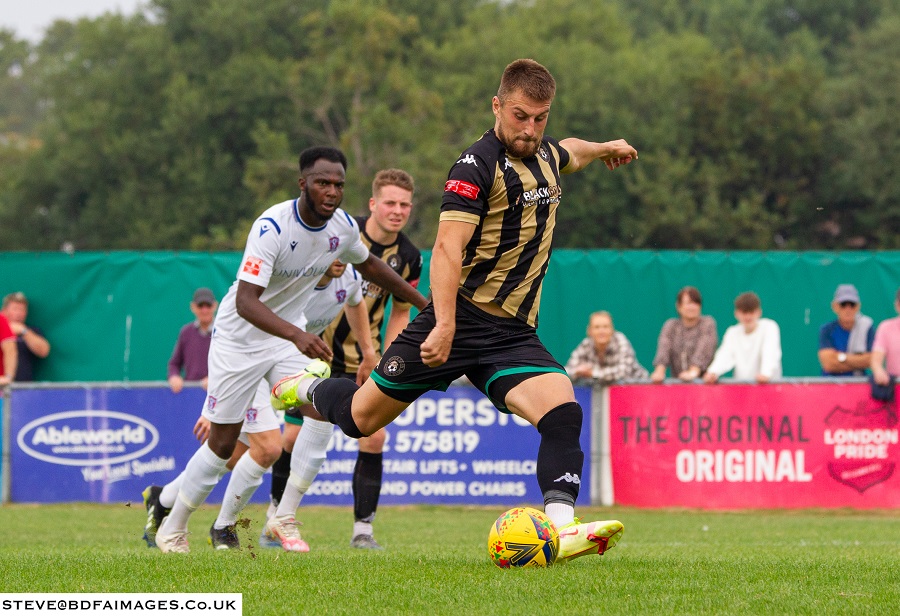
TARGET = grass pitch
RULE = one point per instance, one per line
(671, 562)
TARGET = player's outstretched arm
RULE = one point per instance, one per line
(379, 272)
(582, 153)
(358, 319)
(250, 307)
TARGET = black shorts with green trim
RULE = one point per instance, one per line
(495, 353)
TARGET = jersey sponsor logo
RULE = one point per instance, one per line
(293, 245)
(252, 266)
(545, 195)
(469, 191)
(333, 243)
(341, 296)
(569, 478)
(252, 414)
(305, 272)
(394, 366)
(468, 159)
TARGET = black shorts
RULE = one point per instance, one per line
(495, 353)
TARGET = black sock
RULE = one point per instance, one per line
(366, 485)
(560, 459)
(332, 398)
(280, 472)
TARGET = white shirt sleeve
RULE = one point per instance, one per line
(724, 359)
(770, 363)
(260, 254)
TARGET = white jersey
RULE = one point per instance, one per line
(287, 258)
(328, 301)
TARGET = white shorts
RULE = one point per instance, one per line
(240, 381)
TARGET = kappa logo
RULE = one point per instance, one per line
(468, 159)
(863, 442)
(569, 478)
(341, 296)
(333, 243)
(507, 164)
(293, 245)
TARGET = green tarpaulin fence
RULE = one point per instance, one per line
(115, 316)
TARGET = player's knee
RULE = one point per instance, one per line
(267, 454)
(568, 417)
(373, 443)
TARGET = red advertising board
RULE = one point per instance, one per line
(736, 446)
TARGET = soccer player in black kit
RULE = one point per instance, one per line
(489, 259)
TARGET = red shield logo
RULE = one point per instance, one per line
(862, 440)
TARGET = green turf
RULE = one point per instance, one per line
(669, 562)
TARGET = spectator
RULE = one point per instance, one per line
(30, 342)
(752, 347)
(9, 355)
(192, 346)
(686, 345)
(886, 348)
(605, 356)
(845, 344)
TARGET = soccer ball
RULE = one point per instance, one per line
(523, 537)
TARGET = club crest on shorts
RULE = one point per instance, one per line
(333, 243)
(394, 366)
(251, 414)
(210, 403)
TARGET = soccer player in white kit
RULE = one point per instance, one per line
(259, 328)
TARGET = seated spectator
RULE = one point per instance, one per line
(605, 356)
(9, 355)
(886, 348)
(192, 347)
(845, 344)
(30, 342)
(752, 348)
(686, 345)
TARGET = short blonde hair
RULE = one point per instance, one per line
(392, 177)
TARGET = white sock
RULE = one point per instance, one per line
(201, 475)
(270, 511)
(245, 478)
(306, 460)
(560, 513)
(170, 491)
(363, 528)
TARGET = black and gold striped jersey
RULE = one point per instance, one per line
(512, 201)
(402, 257)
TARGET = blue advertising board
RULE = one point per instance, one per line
(105, 444)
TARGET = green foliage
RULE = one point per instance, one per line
(760, 123)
